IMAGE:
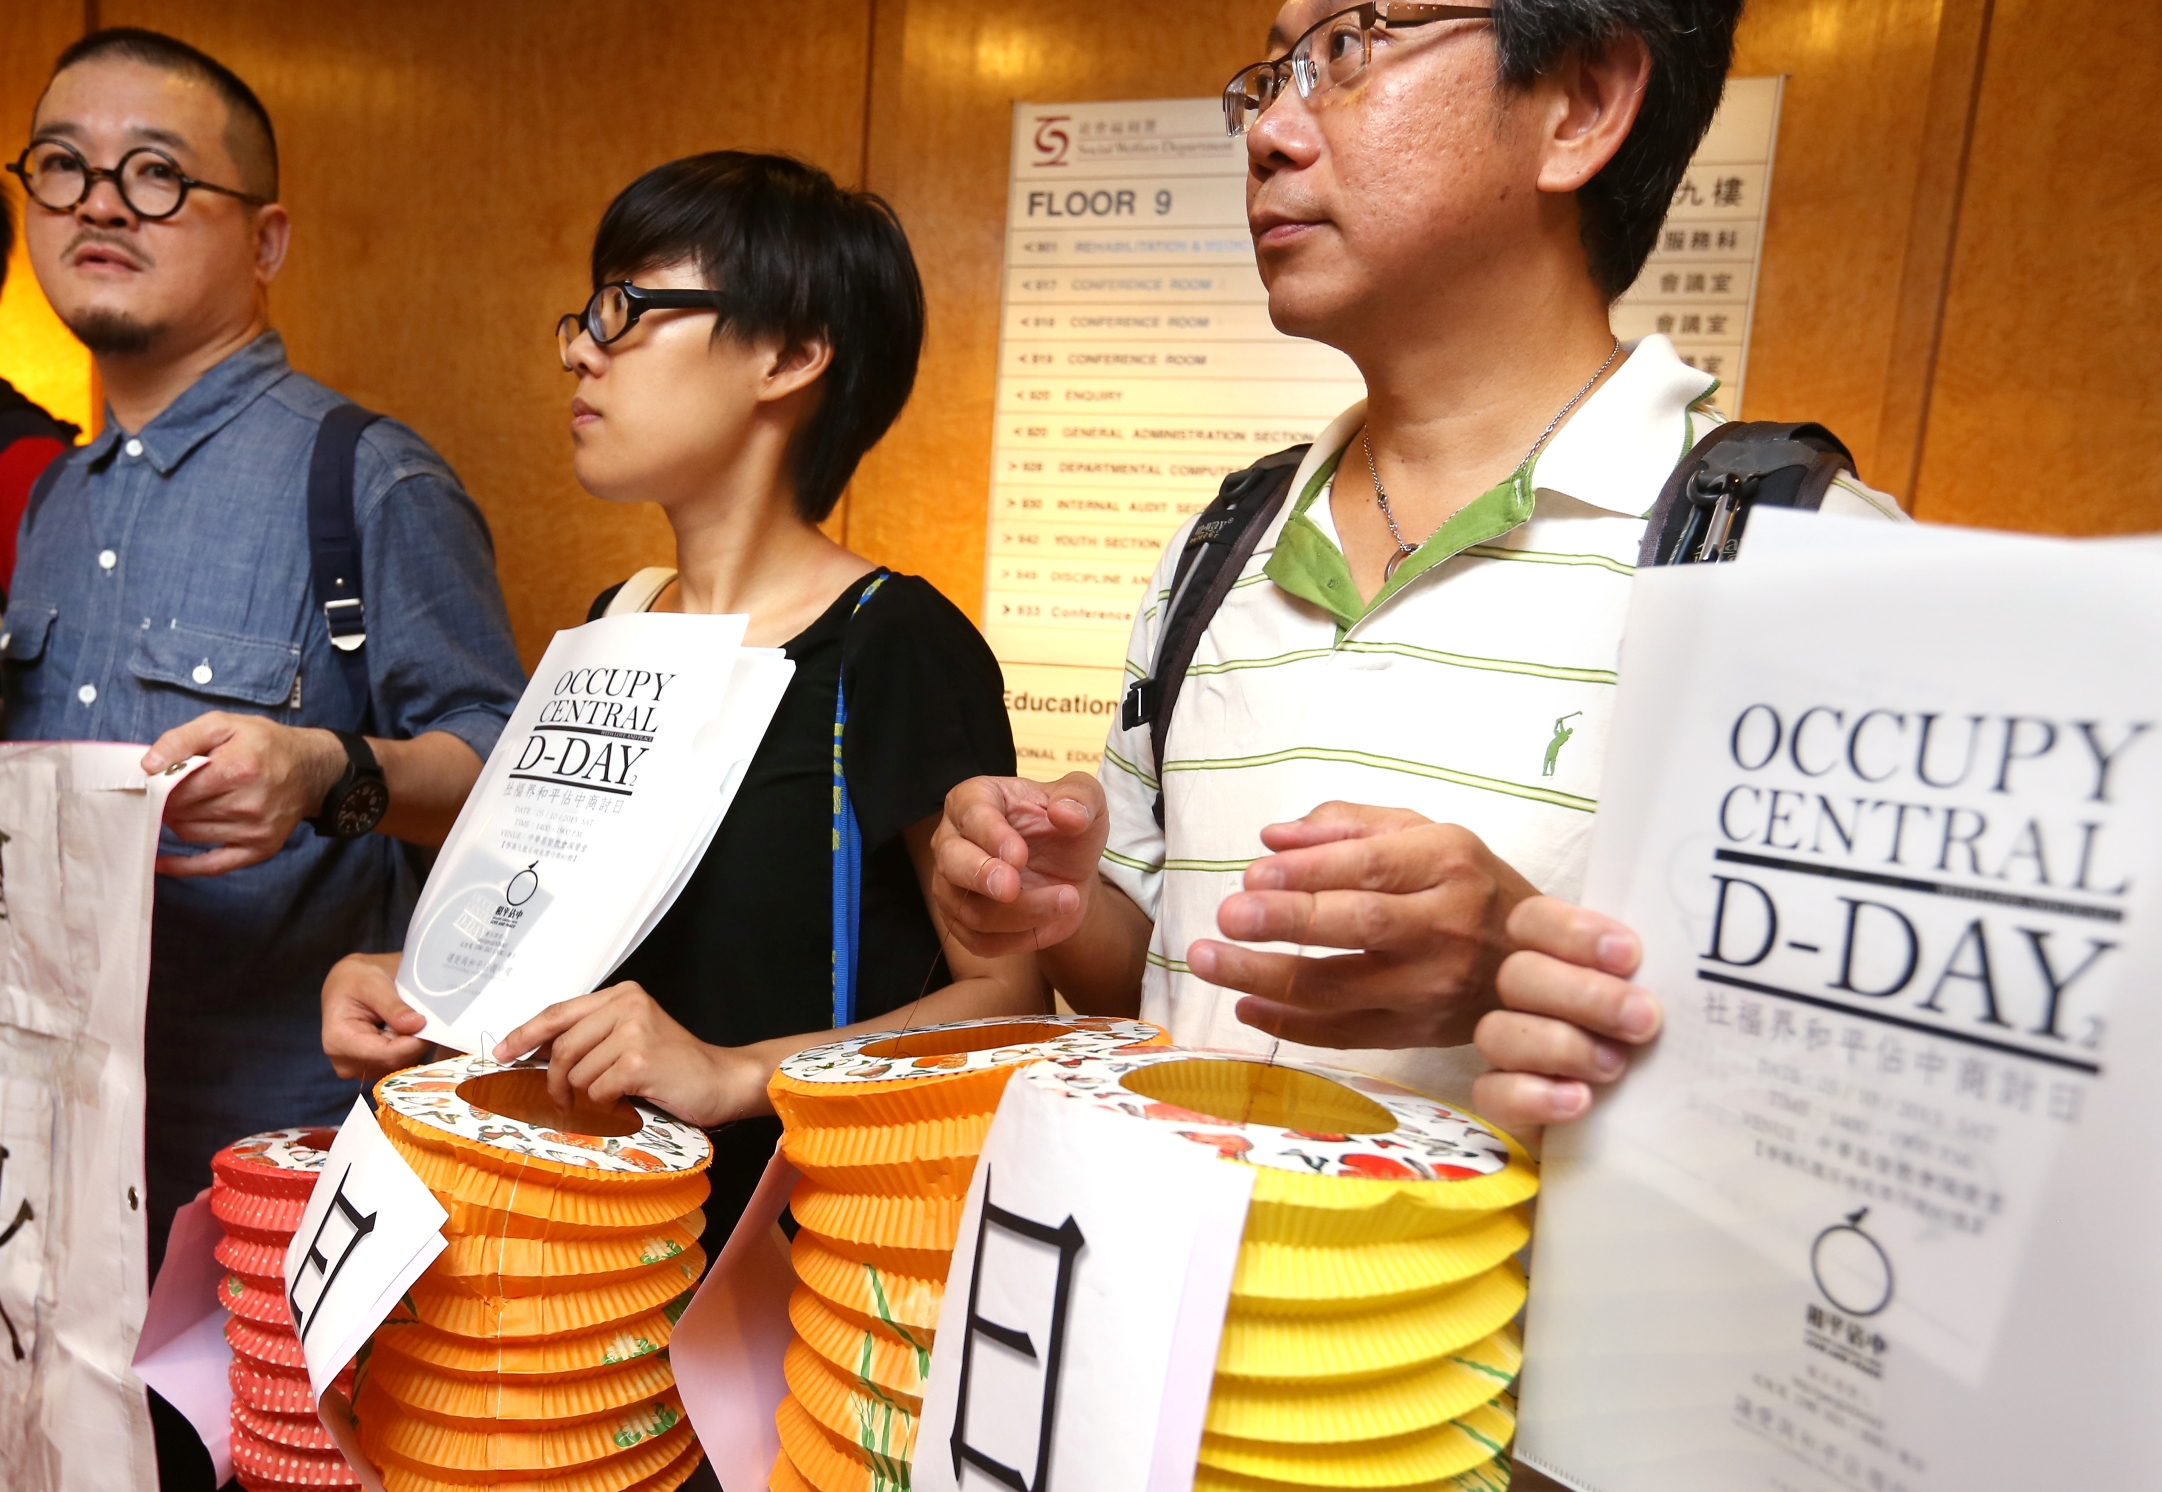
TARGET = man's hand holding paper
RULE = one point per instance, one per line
(1568, 1014)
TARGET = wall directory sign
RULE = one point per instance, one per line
(1138, 365)
(1700, 286)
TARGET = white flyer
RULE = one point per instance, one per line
(609, 781)
(372, 1227)
(78, 835)
(1871, 1214)
(1077, 1340)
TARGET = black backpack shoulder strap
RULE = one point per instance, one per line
(42, 487)
(1217, 549)
(1738, 467)
(334, 542)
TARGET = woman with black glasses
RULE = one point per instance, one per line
(753, 331)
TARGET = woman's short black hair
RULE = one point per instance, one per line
(1691, 44)
(799, 257)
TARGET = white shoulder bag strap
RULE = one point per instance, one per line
(641, 591)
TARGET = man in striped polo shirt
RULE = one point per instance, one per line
(1425, 640)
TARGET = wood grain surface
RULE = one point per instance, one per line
(2046, 409)
(1850, 160)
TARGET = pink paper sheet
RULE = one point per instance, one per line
(727, 1349)
(182, 1352)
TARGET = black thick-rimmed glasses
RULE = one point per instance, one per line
(616, 307)
(57, 176)
(1329, 54)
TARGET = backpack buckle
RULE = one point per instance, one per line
(347, 631)
(1139, 706)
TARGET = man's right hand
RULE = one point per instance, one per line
(367, 1030)
(1017, 860)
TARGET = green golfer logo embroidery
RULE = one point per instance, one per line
(1562, 733)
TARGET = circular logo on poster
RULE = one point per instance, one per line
(522, 886)
(1852, 1269)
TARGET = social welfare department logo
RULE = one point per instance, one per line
(1051, 142)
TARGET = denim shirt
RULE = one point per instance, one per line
(165, 574)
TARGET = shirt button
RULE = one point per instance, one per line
(107, 559)
(133, 448)
(201, 674)
(88, 694)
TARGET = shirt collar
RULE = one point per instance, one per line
(1620, 446)
(1614, 453)
(207, 406)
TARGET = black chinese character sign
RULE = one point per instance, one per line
(1698, 289)
(23, 1217)
(1067, 1241)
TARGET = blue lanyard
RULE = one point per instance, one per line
(847, 850)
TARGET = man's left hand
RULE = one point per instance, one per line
(1425, 905)
(261, 780)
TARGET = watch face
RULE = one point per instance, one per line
(361, 809)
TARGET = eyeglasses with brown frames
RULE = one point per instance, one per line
(1329, 54)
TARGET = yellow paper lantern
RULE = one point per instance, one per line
(886, 1130)
(1368, 1341)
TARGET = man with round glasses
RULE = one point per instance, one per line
(1424, 640)
(164, 593)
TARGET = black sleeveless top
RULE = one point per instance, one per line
(745, 954)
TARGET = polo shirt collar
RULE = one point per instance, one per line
(207, 406)
(1618, 447)
(1620, 444)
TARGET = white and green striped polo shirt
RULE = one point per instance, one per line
(1475, 689)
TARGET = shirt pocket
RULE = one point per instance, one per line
(24, 629)
(187, 670)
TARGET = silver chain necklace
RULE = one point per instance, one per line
(1404, 547)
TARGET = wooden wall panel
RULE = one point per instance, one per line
(446, 165)
(1850, 156)
(37, 353)
(941, 117)
(2045, 412)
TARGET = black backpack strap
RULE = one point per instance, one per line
(1217, 549)
(334, 542)
(1739, 466)
(42, 488)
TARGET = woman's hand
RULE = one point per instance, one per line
(367, 1030)
(618, 1042)
(1569, 1015)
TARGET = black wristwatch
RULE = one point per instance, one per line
(357, 801)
